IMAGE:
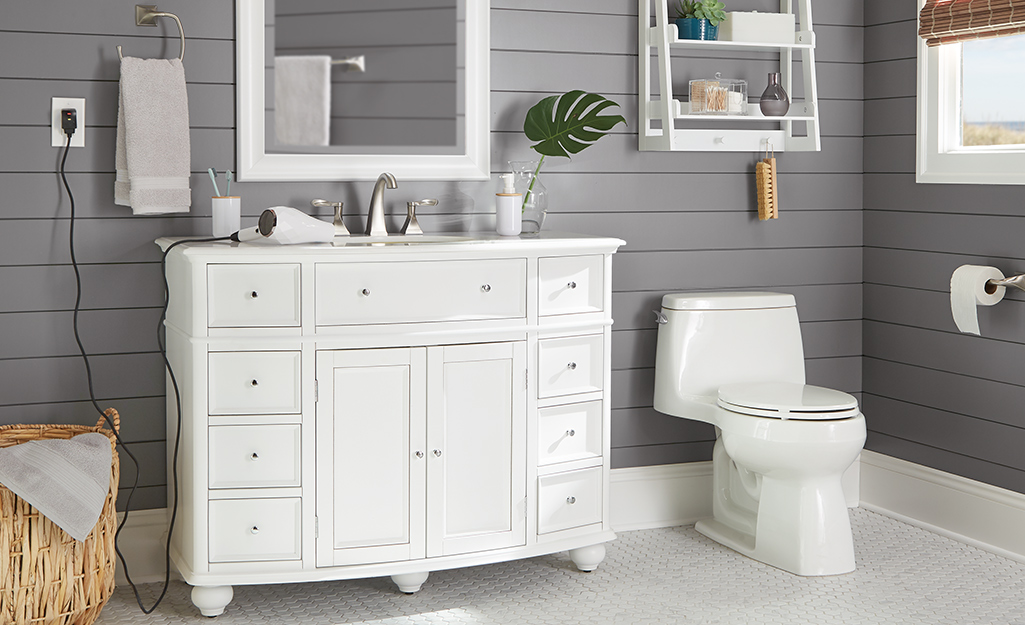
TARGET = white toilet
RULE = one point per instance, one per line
(735, 360)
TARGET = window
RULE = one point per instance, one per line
(971, 111)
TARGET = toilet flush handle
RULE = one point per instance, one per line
(660, 317)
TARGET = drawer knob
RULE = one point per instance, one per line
(254, 530)
(571, 285)
(365, 292)
(254, 383)
(437, 453)
(419, 454)
(571, 500)
(568, 433)
(571, 366)
(256, 456)
(486, 288)
(254, 295)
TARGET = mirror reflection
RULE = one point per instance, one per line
(364, 76)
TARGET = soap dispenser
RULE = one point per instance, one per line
(508, 204)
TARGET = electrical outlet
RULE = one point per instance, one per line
(57, 136)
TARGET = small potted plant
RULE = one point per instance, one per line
(699, 19)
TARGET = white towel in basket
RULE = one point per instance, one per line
(66, 480)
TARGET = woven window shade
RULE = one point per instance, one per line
(951, 21)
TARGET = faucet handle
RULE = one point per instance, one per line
(411, 226)
(340, 229)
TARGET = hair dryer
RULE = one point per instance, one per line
(285, 225)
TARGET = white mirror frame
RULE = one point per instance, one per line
(254, 163)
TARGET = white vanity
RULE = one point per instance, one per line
(355, 410)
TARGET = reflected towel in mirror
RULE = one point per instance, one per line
(302, 100)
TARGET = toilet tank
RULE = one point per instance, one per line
(713, 339)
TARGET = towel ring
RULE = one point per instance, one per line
(146, 15)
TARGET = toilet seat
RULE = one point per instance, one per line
(788, 401)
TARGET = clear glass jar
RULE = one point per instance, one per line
(535, 195)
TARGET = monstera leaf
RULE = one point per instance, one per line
(566, 124)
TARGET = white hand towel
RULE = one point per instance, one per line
(153, 156)
(66, 480)
(302, 100)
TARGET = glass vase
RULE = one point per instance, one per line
(535, 195)
(774, 102)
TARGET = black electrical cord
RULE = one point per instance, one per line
(69, 130)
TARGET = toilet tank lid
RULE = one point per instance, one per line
(727, 300)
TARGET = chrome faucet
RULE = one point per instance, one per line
(375, 216)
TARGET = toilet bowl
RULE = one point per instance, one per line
(735, 360)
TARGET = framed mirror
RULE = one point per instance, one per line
(417, 104)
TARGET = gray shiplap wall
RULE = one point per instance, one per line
(689, 219)
(931, 395)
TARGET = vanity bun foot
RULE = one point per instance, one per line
(211, 600)
(409, 582)
(587, 559)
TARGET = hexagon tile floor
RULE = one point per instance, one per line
(663, 576)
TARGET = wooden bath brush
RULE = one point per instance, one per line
(765, 184)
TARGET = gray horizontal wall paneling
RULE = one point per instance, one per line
(932, 395)
(688, 218)
(47, 51)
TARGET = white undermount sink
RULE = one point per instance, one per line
(400, 239)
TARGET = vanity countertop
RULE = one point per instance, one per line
(455, 243)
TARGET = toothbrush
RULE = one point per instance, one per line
(227, 174)
(213, 179)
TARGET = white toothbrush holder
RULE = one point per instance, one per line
(227, 215)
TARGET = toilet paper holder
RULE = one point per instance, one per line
(1017, 282)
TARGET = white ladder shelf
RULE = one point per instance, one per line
(667, 110)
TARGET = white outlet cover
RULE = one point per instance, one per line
(57, 137)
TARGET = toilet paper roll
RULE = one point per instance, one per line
(968, 292)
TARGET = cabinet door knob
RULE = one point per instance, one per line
(254, 295)
(437, 453)
(486, 288)
(255, 456)
(568, 433)
(365, 292)
(419, 454)
(571, 366)
(571, 500)
(571, 285)
(254, 383)
(254, 530)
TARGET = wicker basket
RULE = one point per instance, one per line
(46, 576)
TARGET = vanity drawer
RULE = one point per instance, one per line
(570, 365)
(254, 383)
(250, 530)
(254, 456)
(374, 293)
(569, 499)
(570, 284)
(570, 432)
(260, 295)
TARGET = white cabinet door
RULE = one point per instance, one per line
(370, 456)
(420, 452)
(476, 439)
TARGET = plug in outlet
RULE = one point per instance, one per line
(57, 136)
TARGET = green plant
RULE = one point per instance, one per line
(567, 124)
(685, 9)
(711, 10)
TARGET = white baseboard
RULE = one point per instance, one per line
(143, 543)
(978, 514)
(971, 512)
(660, 496)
